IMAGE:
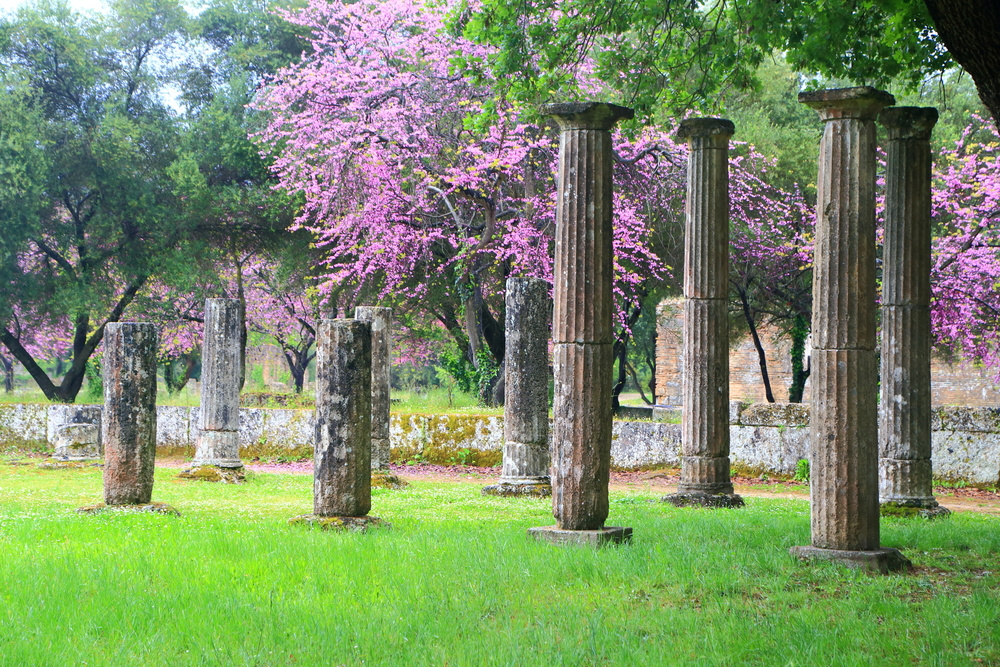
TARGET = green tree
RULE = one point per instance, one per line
(89, 220)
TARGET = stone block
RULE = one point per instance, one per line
(878, 561)
(775, 414)
(595, 539)
(645, 444)
(77, 442)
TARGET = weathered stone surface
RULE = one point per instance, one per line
(382, 479)
(78, 442)
(24, 424)
(342, 463)
(769, 448)
(74, 431)
(581, 436)
(609, 535)
(526, 399)
(702, 499)
(905, 408)
(210, 473)
(129, 418)
(844, 457)
(531, 489)
(636, 445)
(582, 327)
(969, 456)
(355, 524)
(878, 561)
(144, 508)
(775, 414)
(173, 430)
(705, 379)
(843, 420)
(973, 420)
(706, 208)
(219, 417)
(381, 321)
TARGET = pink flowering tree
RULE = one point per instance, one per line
(414, 203)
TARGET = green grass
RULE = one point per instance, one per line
(456, 582)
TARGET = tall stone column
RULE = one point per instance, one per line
(705, 478)
(843, 419)
(526, 398)
(905, 479)
(217, 452)
(381, 323)
(129, 419)
(582, 325)
(342, 492)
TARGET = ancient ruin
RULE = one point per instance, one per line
(381, 324)
(905, 476)
(526, 394)
(217, 454)
(129, 418)
(342, 491)
(582, 325)
(843, 420)
(705, 478)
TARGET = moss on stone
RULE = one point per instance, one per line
(147, 508)
(387, 480)
(215, 474)
(338, 523)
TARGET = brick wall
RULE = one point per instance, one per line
(951, 384)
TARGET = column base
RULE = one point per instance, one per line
(357, 524)
(511, 489)
(703, 499)
(213, 473)
(384, 479)
(584, 538)
(881, 561)
(145, 508)
(926, 508)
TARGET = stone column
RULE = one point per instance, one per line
(381, 324)
(217, 452)
(526, 399)
(582, 324)
(129, 419)
(705, 478)
(905, 480)
(844, 406)
(342, 492)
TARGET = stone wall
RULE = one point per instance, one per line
(951, 383)
(764, 437)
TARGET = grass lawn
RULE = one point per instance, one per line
(456, 582)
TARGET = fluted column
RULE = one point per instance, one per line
(905, 479)
(526, 393)
(582, 322)
(381, 323)
(129, 419)
(843, 420)
(705, 478)
(217, 450)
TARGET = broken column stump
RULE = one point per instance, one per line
(129, 419)
(217, 451)
(381, 323)
(843, 419)
(342, 490)
(905, 476)
(582, 324)
(705, 478)
(74, 431)
(526, 397)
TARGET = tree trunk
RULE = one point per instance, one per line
(969, 30)
(7, 366)
(800, 370)
(761, 355)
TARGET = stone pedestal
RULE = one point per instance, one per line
(342, 462)
(609, 535)
(905, 479)
(129, 419)
(526, 379)
(75, 433)
(381, 324)
(582, 322)
(219, 442)
(705, 479)
(844, 406)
